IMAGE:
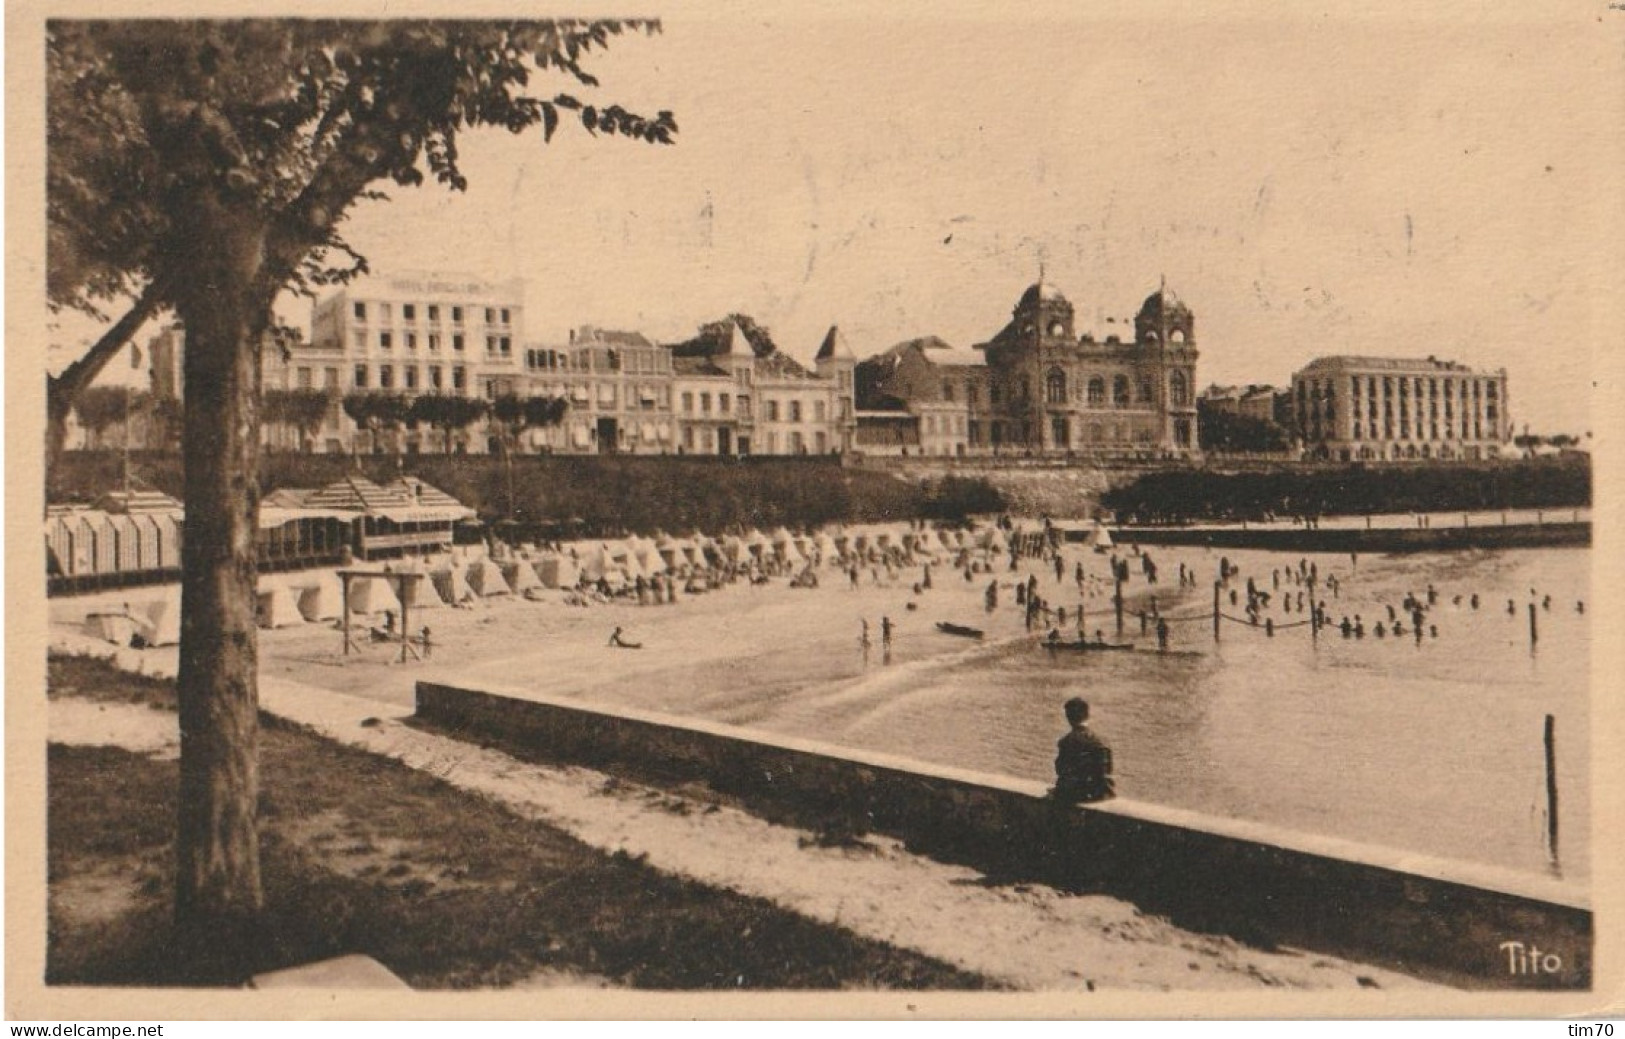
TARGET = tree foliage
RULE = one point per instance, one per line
(448, 412)
(100, 408)
(1222, 430)
(302, 410)
(206, 167)
(295, 119)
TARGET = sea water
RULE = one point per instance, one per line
(1434, 746)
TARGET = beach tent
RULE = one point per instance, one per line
(110, 627)
(671, 551)
(784, 545)
(626, 560)
(756, 544)
(486, 580)
(521, 576)
(370, 595)
(451, 584)
(276, 606)
(826, 547)
(556, 571)
(423, 592)
(1101, 539)
(159, 621)
(648, 555)
(318, 595)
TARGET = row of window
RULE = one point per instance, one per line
(384, 312)
(1094, 392)
(409, 377)
(1327, 412)
(1405, 431)
(1402, 387)
(495, 346)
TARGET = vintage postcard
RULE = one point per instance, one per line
(1082, 510)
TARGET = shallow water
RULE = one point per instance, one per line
(1432, 746)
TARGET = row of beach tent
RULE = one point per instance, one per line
(467, 574)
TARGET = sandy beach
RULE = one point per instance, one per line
(785, 658)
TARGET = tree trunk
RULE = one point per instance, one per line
(218, 897)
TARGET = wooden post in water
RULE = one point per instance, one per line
(344, 609)
(405, 589)
(1551, 787)
(1216, 611)
(1117, 600)
(1534, 632)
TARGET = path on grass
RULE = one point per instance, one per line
(1029, 936)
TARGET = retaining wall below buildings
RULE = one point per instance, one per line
(1343, 540)
(1440, 919)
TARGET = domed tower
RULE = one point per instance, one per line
(1029, 366)
(1165, 331)
(1164, 319)
(1042, 314)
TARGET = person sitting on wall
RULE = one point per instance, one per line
(1083, 763)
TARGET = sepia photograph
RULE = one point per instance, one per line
(1064, 510)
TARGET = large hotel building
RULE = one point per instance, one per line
(1391, 409)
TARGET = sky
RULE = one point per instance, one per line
(1307, 185)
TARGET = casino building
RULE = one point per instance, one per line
(1041, 386)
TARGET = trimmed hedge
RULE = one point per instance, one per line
(597, 495)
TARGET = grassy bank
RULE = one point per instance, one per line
(601, 495)
(1191, 494)
(447, 889)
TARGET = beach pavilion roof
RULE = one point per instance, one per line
(395, 503)
(429, 496)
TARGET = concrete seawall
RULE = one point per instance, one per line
(1343, 540)
(1445, 920)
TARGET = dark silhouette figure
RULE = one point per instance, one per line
(1083, 763)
